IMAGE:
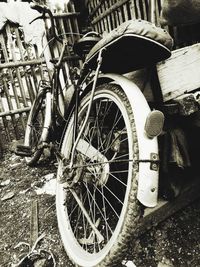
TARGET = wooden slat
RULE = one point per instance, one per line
(113, 22)
(94, 10)
(34, 228)
(120, 15)
(132, 9)
(101, 26)
(13, 112)
(107, 18)
(65, 15)
(145, 9)
(109, 11)
(25, 69)
(116, 15)
(5, 54)
(164, 209)
(13, 53)
(5, 123)
(180, 73)
(24, 74)
(22, 63)
(137, 6)
(104, 22)
(14, 88)
(10, 106)
(125, 11)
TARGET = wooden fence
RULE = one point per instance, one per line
(22, 67)
(106, 15)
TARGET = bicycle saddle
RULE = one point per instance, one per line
(85, 44)
(133, 45)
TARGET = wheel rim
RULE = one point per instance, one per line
(35, 126)
(104, 191)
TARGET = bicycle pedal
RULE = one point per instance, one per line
(24, 151)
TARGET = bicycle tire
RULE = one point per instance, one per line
(108, 191)
(38, 124)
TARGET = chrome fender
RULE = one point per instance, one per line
(147, 178)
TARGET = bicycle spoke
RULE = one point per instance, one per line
(100, 211)
(101, 179)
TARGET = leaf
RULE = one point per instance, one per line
(7, 196)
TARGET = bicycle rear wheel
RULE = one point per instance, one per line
(97, 208)
(37, 128)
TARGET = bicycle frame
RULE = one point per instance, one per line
(148, 158)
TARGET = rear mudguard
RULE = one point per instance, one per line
(147, 176)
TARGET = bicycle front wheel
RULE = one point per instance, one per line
(37, 128)
(97, 208)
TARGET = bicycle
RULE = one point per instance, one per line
(47, 115)
(109, 146)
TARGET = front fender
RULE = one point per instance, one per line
(147, 178)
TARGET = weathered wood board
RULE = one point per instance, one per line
(180, 73)
(165, 209)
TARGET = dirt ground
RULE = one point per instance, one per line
(174, 242)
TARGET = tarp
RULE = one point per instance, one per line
(21, 13)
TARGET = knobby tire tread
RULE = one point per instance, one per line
(134, 209)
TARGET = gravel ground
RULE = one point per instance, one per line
(174, 242)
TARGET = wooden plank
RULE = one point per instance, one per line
(144, 8)
(5, 123)
(104, 20)
(101, 24)
(65, 15)
(164, 209)
(137, 5)
(107, 23)
(13, 86)
(35, 73)
(97, 14)
(120, 15)
(15, 111)
(13, 53)
(112, 15)
(108, 16)
(117, 15)
(24, 75)
(6, 58)
(22, 63)
(125, 12)
(65, 68)
(180, 73)
(157, 13)
(25, 69)
(34, 222)
(109, 11)
(10, 106)
(94, 10)
(132, 9)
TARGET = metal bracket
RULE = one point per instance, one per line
(154, 162)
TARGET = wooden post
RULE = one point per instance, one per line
(34, 222)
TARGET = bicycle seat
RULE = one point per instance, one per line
(134, 44)
(85, 44)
